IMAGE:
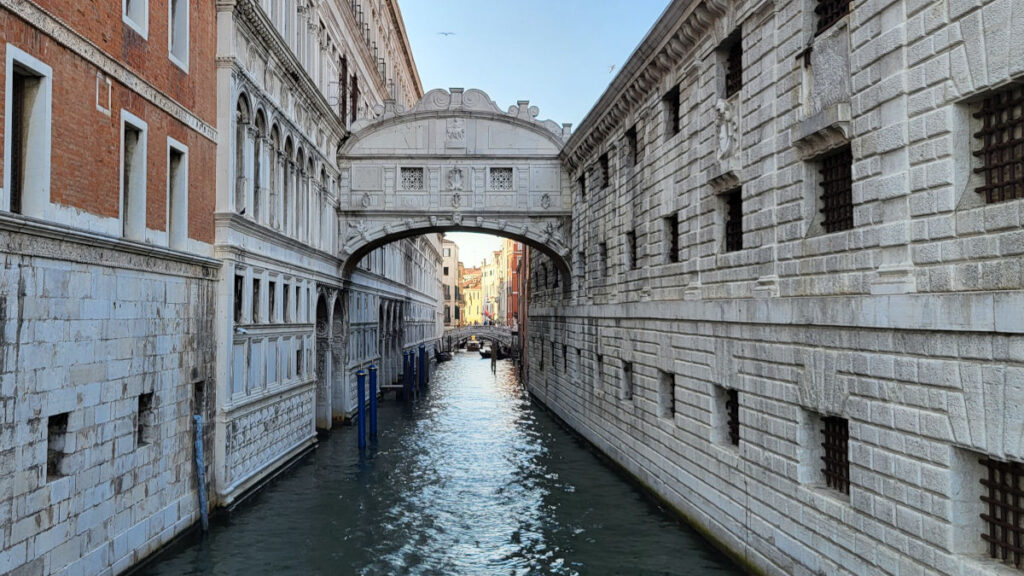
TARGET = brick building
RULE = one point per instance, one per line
(106, 292)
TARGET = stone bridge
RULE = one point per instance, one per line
(500, 333)
(454, 162)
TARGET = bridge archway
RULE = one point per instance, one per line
(455, 162)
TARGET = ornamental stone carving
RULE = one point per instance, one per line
(455, 176)
(727, 127)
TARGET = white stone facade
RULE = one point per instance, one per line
(906, 325)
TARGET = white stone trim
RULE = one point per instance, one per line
(139, 199)
(187, 22)
(178, 201)
(32, 204)
(141, 27)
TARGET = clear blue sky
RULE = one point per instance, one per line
(554, 53)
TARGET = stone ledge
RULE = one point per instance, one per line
(974, 312)
(824, 131)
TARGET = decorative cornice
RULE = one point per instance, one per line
(824, 131)
(82, 47)
(677, 32)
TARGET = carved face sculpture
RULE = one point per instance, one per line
(455, 179)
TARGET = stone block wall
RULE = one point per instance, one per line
(907, 325)
(105, 355)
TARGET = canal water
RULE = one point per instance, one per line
(473, 480)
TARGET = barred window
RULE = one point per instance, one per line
(582, 183)
(836, 453)
(829, 12)
(1004, 517)
(501, 178)
(733, 64)
(605, 172)
(412, 178)
(1001, 141)
(672, 238)
(602, 256)
(732, 410)
(837, 190)
(734, 220)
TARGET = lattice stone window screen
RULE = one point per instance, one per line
(829, 12)
(1004, 519)
(501, 178)
(837, 190)
(836, 454)
(1001, 140)
(412, 178)
(732, 409)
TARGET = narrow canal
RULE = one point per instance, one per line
(474, 480)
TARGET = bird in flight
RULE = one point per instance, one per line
(446, 34)
(611, 68)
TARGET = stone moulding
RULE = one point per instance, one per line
(824, 131)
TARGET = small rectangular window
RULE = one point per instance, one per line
(133, 178)
(836, 171)
(632, 146)
(412, 179)
(56, 445)
(627, 380)
(272, 301)
(177, 196)
(836, 454)
(602, 255)
(733, 65)
(671, 225)
(135, 13)
(1000, 117)
(238, 290)
(27, 134)
(631, 250)
(178, 33)
(670, 101)
(500, 178)
(146, 420)
(1003, 487)
(581, 182)
(255, 300)
(199, 398)
(286, 315)
(602, 162)
(732, 411)
(298, 360)
(829, 12)
(445, 270)
(733, 206)
(667, 395)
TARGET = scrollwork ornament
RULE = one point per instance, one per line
(545, 201)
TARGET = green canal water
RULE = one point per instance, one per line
(475, 479)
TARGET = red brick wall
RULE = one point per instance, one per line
(85, 172)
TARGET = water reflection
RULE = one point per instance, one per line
(474, 480)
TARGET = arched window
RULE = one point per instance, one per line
(241, 126)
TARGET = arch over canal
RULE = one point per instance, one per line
(455, 162)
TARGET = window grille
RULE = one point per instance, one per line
(837, 190)
(501, 178)
(732, 409)
(631, 247)
(836, 454)
(1002, 145)
(412, 178)
(734, 66)
(829, 12)
(582, 182)
(605, 177)
(734, 220)
(1004, 519)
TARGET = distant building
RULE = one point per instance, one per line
(450, 300)
(472, 304)
(511, 295)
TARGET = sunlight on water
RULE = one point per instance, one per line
(473, 480)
